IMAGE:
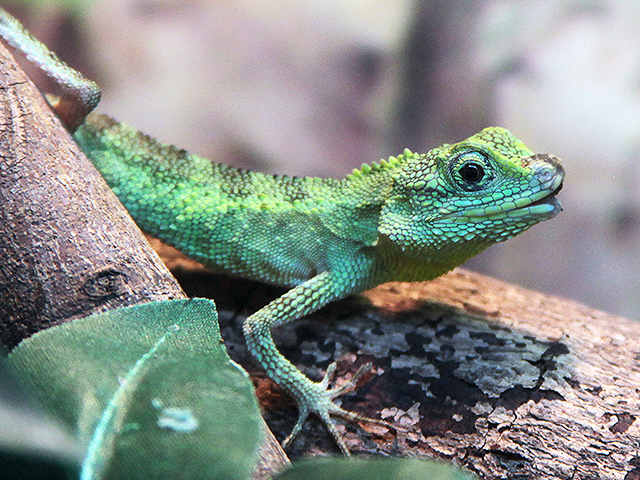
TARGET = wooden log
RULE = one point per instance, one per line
(524, 385)
(508, 382)
(68, 248)
(505, 381)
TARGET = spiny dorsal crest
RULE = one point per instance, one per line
(384, 165)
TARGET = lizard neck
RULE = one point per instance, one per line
(405, 264)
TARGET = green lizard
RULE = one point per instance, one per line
(410, 218)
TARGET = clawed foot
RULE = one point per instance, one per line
(318, 399)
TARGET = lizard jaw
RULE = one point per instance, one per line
(542, 204)
(547, 205)
(549, 199)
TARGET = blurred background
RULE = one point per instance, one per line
(318, 87)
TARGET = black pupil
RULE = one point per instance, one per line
(472, 172)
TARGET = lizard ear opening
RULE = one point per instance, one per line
(403, 225)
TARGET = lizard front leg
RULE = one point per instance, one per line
(311, 397)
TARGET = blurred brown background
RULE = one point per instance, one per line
(308, 87)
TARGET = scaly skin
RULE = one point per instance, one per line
(411, 218)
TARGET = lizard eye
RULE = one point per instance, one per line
(471, 172)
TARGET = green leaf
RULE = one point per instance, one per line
(32, 445)
(149, 390)
(375, 469)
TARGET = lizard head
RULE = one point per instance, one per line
(458, 199)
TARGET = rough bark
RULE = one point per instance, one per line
(68, 248)
(515, 384)
(507, 382)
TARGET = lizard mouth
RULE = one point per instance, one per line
(549, 199)
(548, 205)
(538, 206)
(542, 208)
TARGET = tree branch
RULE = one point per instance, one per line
(68, 248)
(508, 382)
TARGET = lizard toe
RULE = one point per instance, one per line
(319, 399)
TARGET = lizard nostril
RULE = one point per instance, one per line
(546, 173)
(546, 167)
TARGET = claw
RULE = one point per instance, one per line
(303, 413)
(328, 375)
(351, 383)
(324, 407)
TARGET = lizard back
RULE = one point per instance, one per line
(277, 229)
